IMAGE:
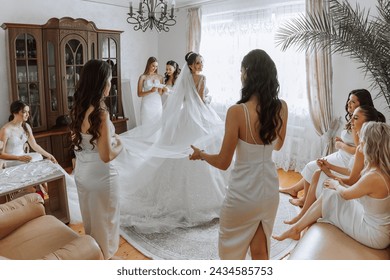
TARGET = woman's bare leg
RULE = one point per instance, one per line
(300, 201)
(310, 198)
(258, 245)
(294, 189)
(310, 217)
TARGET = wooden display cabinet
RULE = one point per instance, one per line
(45, 63)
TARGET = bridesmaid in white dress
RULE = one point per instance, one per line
(362, 210)
(345, 145)
(14, 136)
(96, 146)
(172, 71)
(348, 175)
(254, 128)
(150, 85)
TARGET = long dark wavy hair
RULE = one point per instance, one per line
(364, 97)
(94, 77)
(175, 73)
(15, 108)
(372, 114)
(148, 63)
(262, 81)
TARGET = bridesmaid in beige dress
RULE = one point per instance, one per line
(254, 128)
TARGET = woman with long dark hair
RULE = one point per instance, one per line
(172, 71)
(345, 145)
(96, 146)
(254, 127)
(14, 135)
(361, 210)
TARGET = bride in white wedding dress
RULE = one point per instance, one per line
(161, 189)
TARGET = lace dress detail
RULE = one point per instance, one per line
(161, 189)
(151, 104)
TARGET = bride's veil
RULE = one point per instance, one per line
(185, 120)
(159, 183)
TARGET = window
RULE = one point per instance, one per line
(227, 37)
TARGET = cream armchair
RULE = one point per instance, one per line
(27, 233)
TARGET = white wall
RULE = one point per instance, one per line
(347, 76)
(136, 46)
(172, 45)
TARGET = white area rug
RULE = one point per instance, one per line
(201, 242)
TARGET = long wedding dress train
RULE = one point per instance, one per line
(161, 188)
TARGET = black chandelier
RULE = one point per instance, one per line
(152, 13)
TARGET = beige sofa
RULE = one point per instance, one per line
(27, 233)
(326, 242)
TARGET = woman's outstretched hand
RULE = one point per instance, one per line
(196, 154)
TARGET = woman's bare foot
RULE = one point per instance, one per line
(292, 221)
(297, 201)
(289, 191)
(291, 233)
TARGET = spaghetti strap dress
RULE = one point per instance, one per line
(366, 219)
(252, 198)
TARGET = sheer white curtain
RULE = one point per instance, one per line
(194, 23)
(226, 38)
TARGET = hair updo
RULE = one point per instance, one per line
(191, 57)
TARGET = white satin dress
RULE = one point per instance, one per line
(252, 198)
(340, 158)
(98, 189)
(366, 219)
(151, 104)
(15, 146)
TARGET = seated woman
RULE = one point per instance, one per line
(348, 175)
(362, 210)
(15, 134)
(345, 145)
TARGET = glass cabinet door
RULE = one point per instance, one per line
(75, 58)
(27, 80)
(52, 77)
(109, 54)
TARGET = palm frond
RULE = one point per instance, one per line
(347, 30)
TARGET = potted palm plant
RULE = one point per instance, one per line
(347, 30)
